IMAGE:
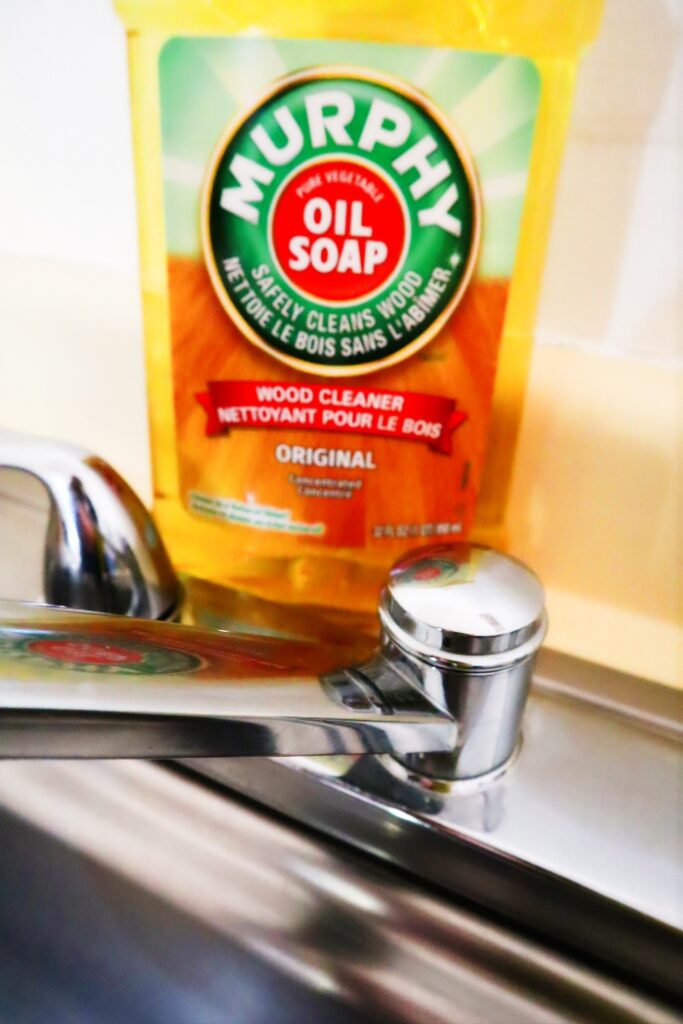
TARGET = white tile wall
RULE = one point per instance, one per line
(613, 279)
(614, 276)
(66, 174)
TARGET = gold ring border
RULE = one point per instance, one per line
(420, 99)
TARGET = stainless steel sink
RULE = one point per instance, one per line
(134, 894)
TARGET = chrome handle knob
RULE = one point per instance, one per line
(464, 622)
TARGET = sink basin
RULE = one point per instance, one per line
(132, 892)
(79, 942)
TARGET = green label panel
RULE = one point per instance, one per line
(330, 207)
(342, 195)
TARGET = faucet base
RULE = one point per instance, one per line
(445, 788)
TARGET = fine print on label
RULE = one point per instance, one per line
(341, 221)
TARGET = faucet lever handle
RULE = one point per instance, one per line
(103, 552)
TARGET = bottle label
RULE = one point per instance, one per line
(341, 224)
(341, 200)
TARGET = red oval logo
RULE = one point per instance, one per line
(338, 230)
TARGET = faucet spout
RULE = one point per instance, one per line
(84, 685)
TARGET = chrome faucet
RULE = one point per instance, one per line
(444, 692)
(541, 833)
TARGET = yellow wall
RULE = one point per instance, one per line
(596, 507)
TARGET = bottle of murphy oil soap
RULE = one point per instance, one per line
(343, 210)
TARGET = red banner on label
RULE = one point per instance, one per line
(404, 415)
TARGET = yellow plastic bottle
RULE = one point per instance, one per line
(343, 212)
